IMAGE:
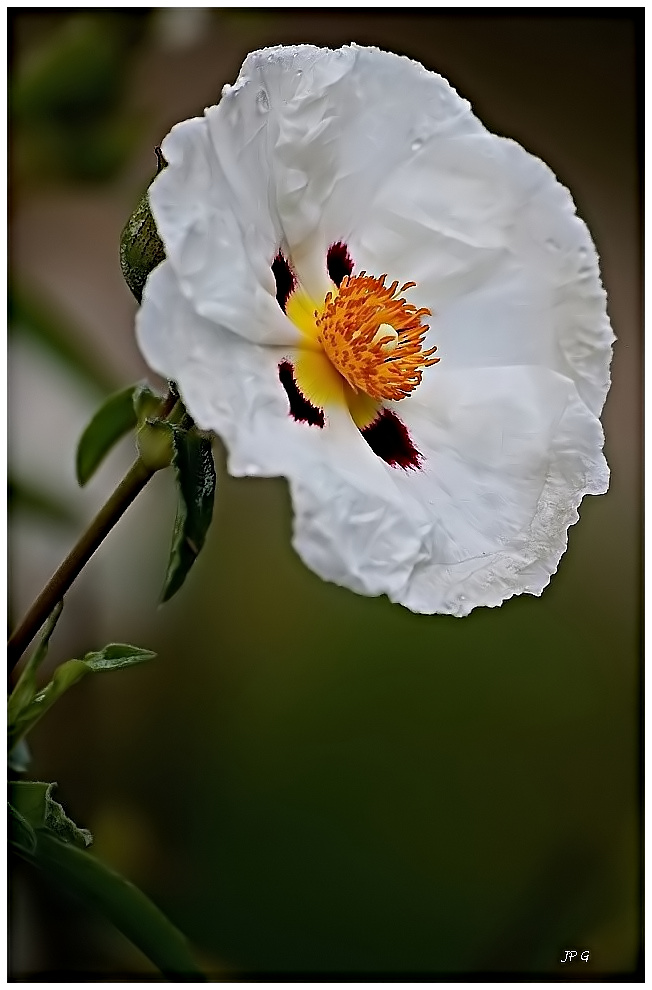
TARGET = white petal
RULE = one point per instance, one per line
(298, 147)
(551, 239)
(232, 386)
(510, 452)
(508, 455)
(222, 261)
(339, 123)
(313, 146)
(501, 259)
(349, 522)
(229, 385)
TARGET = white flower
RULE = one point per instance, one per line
(444, 482)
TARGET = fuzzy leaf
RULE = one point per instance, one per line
(195, 473)
(42, 833)
(33, 800)
(115, 656)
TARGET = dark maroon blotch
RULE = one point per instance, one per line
(338, 262)
(388, 438)
(300, 408)
(285, 280)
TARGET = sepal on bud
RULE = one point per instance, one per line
(141, 249)
(155, 444)
(146, 402)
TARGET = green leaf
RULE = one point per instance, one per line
(119, 414)
(195, 473)
(113, 419)
(43, 834)
(121, 902)
(64, 677)
(33, 800)
(115, 656)
(22, 695)
(21, 833)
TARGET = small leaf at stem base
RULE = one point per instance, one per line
(109, 424)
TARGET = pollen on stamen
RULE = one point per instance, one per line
(380, 364)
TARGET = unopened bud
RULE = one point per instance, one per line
(146, 403)
(155, 444)
(141, 249)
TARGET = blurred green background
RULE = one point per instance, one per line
(306, 781)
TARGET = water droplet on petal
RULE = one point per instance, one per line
(416, 144)
(262, 101)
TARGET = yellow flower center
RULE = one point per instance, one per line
(364, 344)
(373, 338)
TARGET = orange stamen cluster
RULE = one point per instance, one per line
(352, 330)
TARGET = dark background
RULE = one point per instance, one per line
(307, 781)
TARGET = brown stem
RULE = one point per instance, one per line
(133, 482)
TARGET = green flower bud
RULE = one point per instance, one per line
(146, 403)
(141, 249)
(155, 442)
